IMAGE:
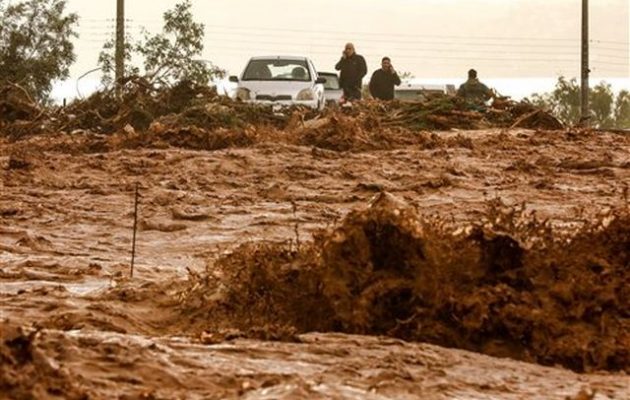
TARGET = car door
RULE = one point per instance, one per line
(318, 87)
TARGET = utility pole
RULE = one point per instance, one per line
(585, 114)
(120, 45)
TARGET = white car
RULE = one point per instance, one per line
(281, 81)
(417, 91)
(332, 90)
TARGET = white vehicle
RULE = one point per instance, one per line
(281, 81)
(418, 91)
(332, 90)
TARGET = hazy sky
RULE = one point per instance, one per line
(429, 38)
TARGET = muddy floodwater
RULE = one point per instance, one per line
(186, 326)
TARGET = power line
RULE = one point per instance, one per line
(440, 60)
(260, 39)
(610, 42)
(383, 39)
(415, 57)
(372, 33)
(600, 51)
(610, 56)
(414, 36)
(612, 63)
(426, 59)
(424, 48)
(420, 42)
(249, 32)
(613, 49)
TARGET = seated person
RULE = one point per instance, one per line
(299, 73)
(259, 71)
(475, 92)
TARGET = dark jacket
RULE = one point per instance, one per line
(475, 91)
(353, 69)
(382, 84)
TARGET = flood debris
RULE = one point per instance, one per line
(506, 287)
(160, 113)
(17, 105)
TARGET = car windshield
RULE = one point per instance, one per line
(277, 70)
(332, 82)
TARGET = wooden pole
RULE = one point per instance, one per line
(120, 45)
(585, 114)
(135, 228)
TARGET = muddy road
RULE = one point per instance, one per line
(74, 325)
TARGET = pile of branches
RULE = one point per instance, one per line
(17, 104)
(142, 103)
(446, 112)
(441, 113)
(19, 112)
(508, 113)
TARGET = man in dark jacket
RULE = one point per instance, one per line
(353, 68)
(475, 92)
(383, 81)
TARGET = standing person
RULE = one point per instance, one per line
(474, 91)
(353, 68)
(383, 81)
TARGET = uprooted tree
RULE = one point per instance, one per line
(167, 57)
(35, 44)
(607, 111)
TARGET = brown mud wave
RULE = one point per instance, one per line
(48, 364)
(27, 373)
(510, 287)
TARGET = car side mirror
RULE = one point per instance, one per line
(234, 79)
(320, 80)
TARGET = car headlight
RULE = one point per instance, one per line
(243, 94)
(306, 94)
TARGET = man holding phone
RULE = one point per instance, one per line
(352, 69)
(383, 81)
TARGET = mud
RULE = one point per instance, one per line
(83, 364)
(511, 243)
(507, 287)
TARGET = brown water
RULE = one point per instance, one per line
(65, 240)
